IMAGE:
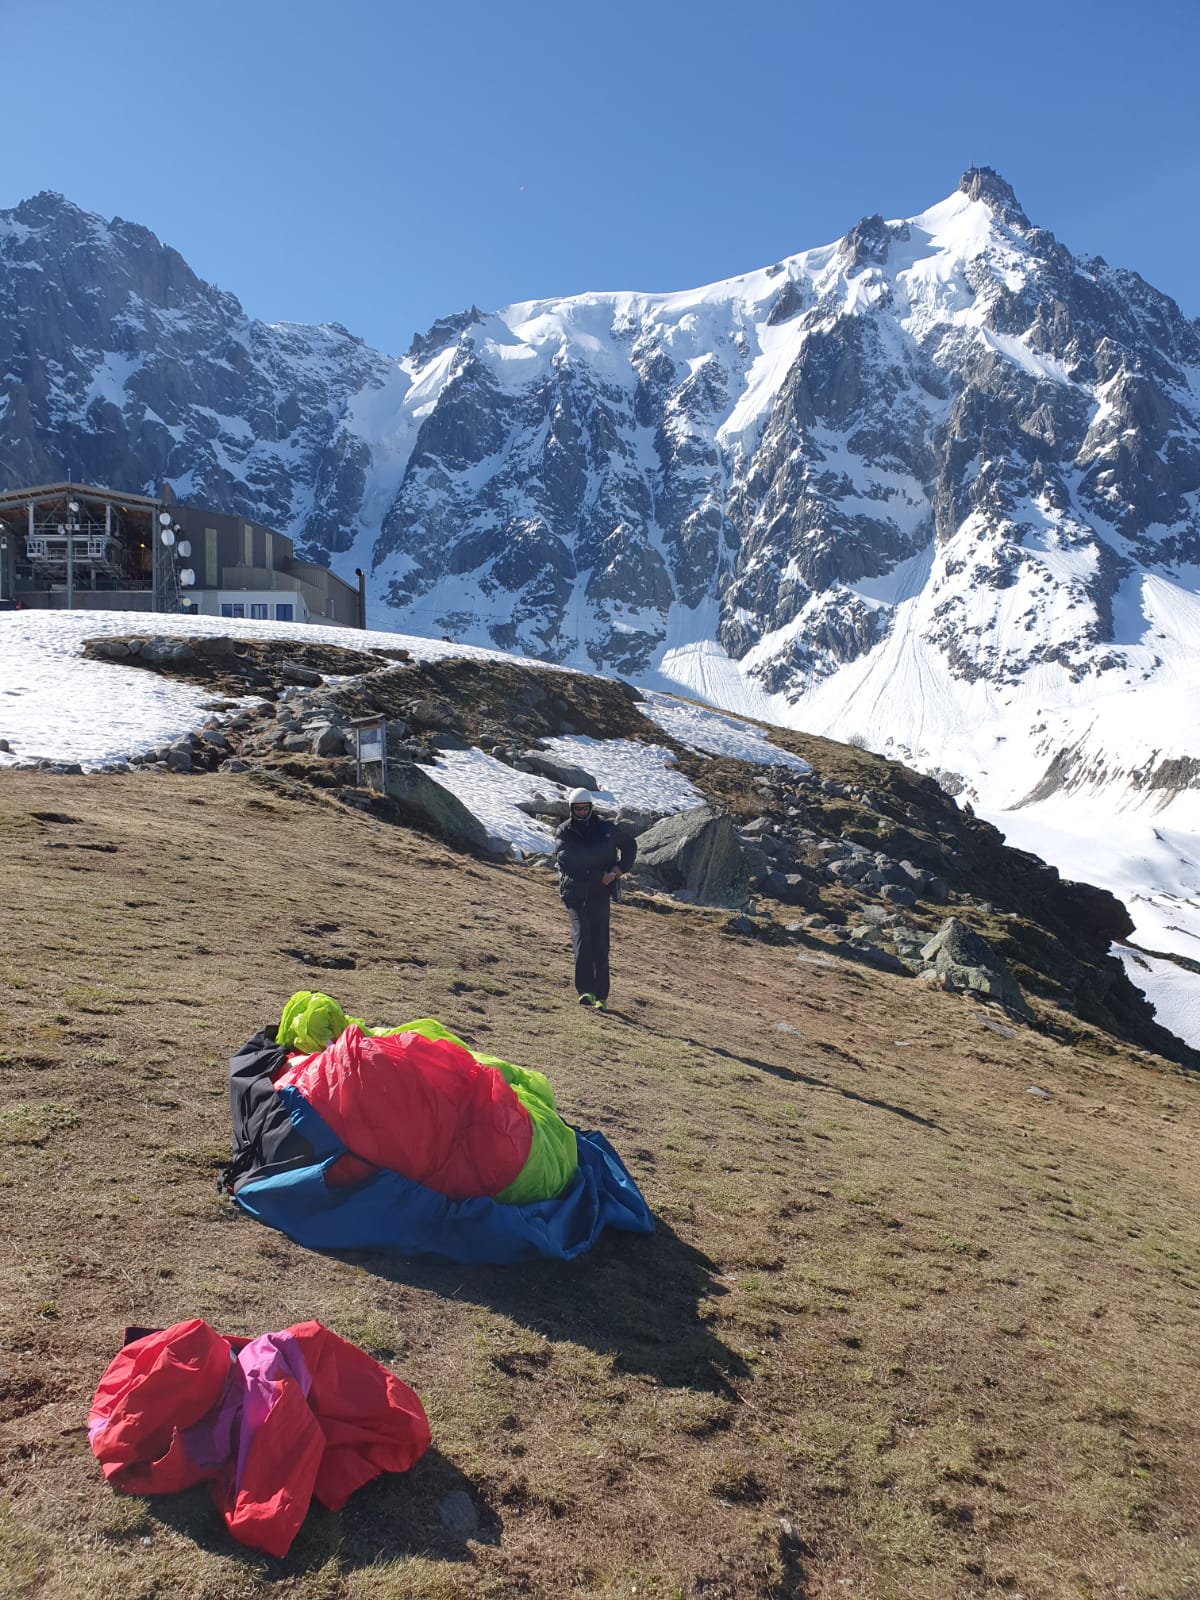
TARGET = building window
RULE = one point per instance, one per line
(283, 611)
(260, 609)
(232, 608)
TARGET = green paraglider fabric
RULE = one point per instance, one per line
(311, 1021)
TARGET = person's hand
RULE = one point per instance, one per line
(611, 875)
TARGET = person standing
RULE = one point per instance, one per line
(592, 855)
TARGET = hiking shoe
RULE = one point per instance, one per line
(588, 1000)
(601, 1005)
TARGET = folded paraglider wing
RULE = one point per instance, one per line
(269, 1423)
(404, 1139)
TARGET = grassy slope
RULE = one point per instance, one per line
(905, 1331)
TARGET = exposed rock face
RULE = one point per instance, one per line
(695, 855)
(121, 367)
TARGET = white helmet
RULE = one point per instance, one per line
(579, 797)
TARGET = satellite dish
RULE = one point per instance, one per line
(187, 577)
(164, 518)
(168, 537)
(185, 548)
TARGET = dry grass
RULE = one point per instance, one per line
(905, 1330)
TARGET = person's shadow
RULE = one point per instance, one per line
(637, 1297)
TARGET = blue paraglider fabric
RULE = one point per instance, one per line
(389, 1212)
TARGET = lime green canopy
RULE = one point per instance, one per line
(310, 1021)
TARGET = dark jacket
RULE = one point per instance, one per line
(584, 852)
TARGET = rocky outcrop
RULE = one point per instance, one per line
(563, 772)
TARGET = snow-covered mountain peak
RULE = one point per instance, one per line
(985, 184)
(940, 462)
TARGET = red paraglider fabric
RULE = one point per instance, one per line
(425, 1108)
(270, 1423)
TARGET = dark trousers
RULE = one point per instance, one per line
(589, 940)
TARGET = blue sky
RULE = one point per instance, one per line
(381, 162)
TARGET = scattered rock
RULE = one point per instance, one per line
(458, 1514)
(430, 713)
(755, 829)
(999, 1027)
(895, 894)
(293, 672)
(791, 889)
(161, 652)
(632, 820)
(213, 649)
(326, 740)
(878, 916)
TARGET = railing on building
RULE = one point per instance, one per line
(48, 552)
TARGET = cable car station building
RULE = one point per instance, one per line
(70, 546)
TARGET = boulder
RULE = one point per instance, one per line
(422, 800)
(793, 889)
(326, 740)
(753, 829)
(296, 672)
(696, 856)
(213, 648)
(631, 820)
(430, 714)
(107, 649)
(849, 870)
(895, 894)
(965, 961)
(558, 771)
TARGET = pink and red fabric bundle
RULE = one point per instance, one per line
(270, 1423)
